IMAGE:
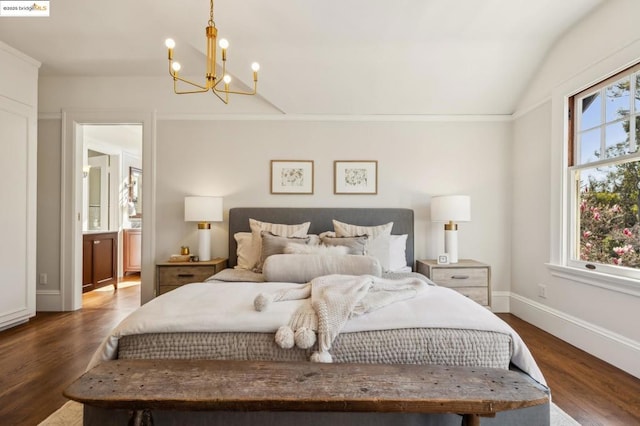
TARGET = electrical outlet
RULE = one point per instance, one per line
(542, 291)
(43, 279)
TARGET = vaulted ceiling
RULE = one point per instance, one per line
(317, 57)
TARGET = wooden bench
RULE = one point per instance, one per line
(143, 385)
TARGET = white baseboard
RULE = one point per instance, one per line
(48, 300)
(611, 347)
(500, 301)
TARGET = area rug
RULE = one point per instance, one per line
(70, 414)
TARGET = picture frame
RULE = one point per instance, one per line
(355, 177)
(443, 259)
(291, 176)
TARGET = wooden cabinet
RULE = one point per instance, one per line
(99, 260)
(171, 275)
(131, 250)
(19, 163)
(469, 277)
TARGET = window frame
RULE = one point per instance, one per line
(571, 168)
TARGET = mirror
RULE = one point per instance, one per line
(135, 192)
(97, 195)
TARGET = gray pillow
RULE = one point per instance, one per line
(275, 244)
(356, 245)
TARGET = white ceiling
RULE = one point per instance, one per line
(317, 57)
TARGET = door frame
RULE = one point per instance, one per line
(71, 199)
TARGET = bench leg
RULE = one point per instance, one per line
(141, 418)
(470, 420)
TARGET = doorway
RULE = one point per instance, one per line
(111, 207)
(74, 125)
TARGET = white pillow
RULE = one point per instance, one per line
(398, 253)
(247, 257)
(302, 268)
(378, 243)
(299, 230)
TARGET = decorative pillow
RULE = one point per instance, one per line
(378, 243)
(302, 268)
(347, 230)
(398, 253)
(316, 249)
(245, 251)
(355, 245)
(275, 244)
(299, 230)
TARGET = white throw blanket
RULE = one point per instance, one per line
(335, 299)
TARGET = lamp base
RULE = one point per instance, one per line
(451, 244)
(204, 244)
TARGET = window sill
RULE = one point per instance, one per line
(596, 279)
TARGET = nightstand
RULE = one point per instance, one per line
(171, 275)
(469, 277)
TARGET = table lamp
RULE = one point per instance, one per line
(451, 209)
(203, 210)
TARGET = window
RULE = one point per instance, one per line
(604, 176)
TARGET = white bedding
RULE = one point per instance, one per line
(228, 307)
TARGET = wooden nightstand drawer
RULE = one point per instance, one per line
(461, 277)
(171, 275)
(468, 277)
(181, 275)
(477, 294)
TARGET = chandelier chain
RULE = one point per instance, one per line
(211, 22)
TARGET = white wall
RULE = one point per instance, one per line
(602, 321)
(415, 161)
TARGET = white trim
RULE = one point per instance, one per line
(71, 230)
(331, 118)
(319, 117)
(597, 279)
(500, 301)
(19, 54)
(49, 300)
(532, 107)
(611, 347)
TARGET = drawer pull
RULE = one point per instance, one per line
(186, 275)
(459, 277)
(96, 242)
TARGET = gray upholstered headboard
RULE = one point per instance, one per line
(321, 220)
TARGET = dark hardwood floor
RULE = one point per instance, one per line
(42, 357)
(590, 390)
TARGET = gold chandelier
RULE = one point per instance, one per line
(213, 81)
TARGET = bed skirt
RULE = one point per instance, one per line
(531, 416)
(439, 346)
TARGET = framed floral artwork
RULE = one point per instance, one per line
(291, 177)
(355, 177)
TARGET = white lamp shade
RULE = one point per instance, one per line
(203, 209)
(456, 208)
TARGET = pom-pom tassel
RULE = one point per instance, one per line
(324, 357)
(304, 338)
(261, 302)
(284, 337)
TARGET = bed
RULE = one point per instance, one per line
(222, 319)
